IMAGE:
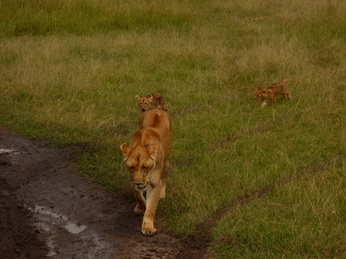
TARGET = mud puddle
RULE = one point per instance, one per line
(49, 211)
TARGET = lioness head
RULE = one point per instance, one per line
(145, 103)
(140, 161)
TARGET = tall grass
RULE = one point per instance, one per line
(305, 216)
(86, 17)
(70, 71)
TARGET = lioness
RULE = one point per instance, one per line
(147, 160)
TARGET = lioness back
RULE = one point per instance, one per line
(159, 121)
(156, 118)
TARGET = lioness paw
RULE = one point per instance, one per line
(139, 211)
(148, 231)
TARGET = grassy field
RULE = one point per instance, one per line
(69, 71)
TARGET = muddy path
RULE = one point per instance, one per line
(49, 211)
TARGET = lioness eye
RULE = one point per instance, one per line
(132, 168)
(144, 168)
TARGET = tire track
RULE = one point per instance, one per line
(196, 243)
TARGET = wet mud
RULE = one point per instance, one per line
(49, 211)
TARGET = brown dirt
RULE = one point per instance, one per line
(49, 211)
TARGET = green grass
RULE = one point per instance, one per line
(31, 17)
(304, 215)
(69, 71)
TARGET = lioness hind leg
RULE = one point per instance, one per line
(141, 204)
(163, 190)
(164, 177)
(139, 209)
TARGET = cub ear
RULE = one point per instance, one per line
(137, 97)
(156, 95)
(153, 151)
(125, 149)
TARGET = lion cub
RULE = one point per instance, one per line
(152, 101)
(269, 95)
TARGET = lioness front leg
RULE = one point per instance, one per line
(153, 197)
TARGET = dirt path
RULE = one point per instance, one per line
(49, 211)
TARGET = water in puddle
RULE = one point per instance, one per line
(74, 228)
(44, 211)
(5, 150)
(51, 222)
(48, 220)
(71, 227)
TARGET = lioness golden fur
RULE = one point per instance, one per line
(148, 160)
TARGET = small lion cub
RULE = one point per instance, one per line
(269, 95)
(152, 101)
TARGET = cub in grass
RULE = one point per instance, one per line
(152, 101)
(269, 95)
(265, 95)
(147, 160)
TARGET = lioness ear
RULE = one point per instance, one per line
(125, 149)
(152, 150)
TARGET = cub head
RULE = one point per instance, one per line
(260, 93)
(140, 161)
(145, 103)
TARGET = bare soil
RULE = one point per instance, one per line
(49, 211)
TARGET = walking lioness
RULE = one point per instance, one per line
(147, 160)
